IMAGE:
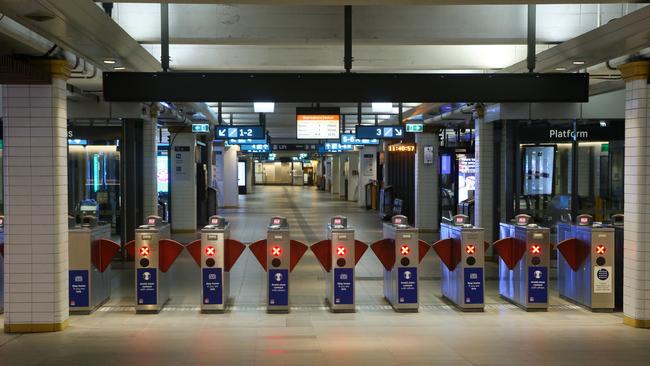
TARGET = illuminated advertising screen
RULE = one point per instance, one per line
(538, 167)
(466, 177)
(318, 124)
(162, 173)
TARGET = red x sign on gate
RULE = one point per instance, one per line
(340, 250)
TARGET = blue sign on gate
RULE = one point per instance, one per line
(473, 285)
(212, 286)
(147, 290)
(344, 286)
(79, 296)
(278, 287)
(537, 285)
(407, 289)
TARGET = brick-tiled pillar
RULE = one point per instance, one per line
(636, 279)
(149, 168)
(484, 193)
(427, 191)
(36, 204)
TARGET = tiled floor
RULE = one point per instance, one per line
(310, 335)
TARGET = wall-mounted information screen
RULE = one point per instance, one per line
(318, 124)
(538, 167)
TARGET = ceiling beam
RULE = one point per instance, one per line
(377, 2)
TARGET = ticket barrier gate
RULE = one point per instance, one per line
(154, 255)
(401, 277)
(524, 257)
(90, 253)
(338, 255)
(586, 265)
(278, 255)
(461, 249)
(2, 259)
(215, 253)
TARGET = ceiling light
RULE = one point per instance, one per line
(382, 107)
(264, 107)
(118, 68)
(109, 61)
(578, 62)
(560, 69)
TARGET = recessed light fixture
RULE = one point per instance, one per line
(578, 62)
(118, 68)
(560, 69)
(263, 107)
(382, 107)
(109, 61)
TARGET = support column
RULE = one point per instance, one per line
(149, 156)
(342, 177)
(336, 180)
(367, 171)
(353, 177)
(427, 191)
(636, 202)
(484, 193)
(36, 204)
(182, 187)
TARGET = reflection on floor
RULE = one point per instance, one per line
(310, 335)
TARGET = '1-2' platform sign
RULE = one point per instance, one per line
(237, 132)
(380, 132)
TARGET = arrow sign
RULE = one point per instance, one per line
(399, 131)
(221, 132)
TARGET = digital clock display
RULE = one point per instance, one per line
(410, 148)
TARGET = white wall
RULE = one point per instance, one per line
(367, 171)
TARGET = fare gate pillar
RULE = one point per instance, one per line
(636, 306)
(215, 253)
(338, 255)
(36, 195)
(278, 255)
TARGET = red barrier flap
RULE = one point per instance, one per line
(168, 252)
(509, 251)
(573, 251)
(194, 248)
(323, 252)
(130, 249)
(296, 251)
(385, 251)
(423, 249)
(105, 252)
(232, 250)
(445, 250)
(359, 250)
(259, 251)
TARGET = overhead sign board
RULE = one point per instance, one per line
(294, 147)
(380, 132)
(200, 127)
(238, 132)
(415, 127)
(318, 124)
(335, 146)
(350, 138)
(261, 148)
(245, 141)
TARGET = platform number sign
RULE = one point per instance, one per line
(380, 132)
(237, 132)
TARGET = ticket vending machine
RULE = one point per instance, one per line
(400, 252)
(2, 259)
(524, 255)
(338, 255)
(278, 255)
(90, 252)
(154, 255)
(586, 266)
(461, 249)
(215, 253)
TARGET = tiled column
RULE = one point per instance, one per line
(427, 191)
(149, 169)
(636, 278)
(36, 204)
(336, 180)
(484, 193)
(183, 183)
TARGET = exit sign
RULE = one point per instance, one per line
(200, 127)
(414, 127)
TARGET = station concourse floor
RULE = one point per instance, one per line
(311, 335)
